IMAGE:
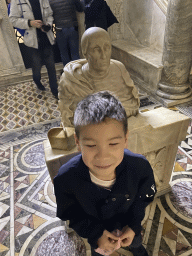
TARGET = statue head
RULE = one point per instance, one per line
(96, 47)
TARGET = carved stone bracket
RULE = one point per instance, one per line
(157, 160)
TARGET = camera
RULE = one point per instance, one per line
(46, 28)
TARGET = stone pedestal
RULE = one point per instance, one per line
(155, 134)
(174, 84)
(11, 62)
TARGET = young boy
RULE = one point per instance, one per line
(104, 191)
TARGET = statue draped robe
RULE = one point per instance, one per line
(76, 83)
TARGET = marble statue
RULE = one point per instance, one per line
(96, 72)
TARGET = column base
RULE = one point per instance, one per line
(172, 92)
(171, 103)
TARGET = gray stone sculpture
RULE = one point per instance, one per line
(95, 73)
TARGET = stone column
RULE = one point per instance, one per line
(11, 61)
(177, 52)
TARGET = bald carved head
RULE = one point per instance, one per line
(96, 47)
(90, 35)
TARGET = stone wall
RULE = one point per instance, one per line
(11, 61)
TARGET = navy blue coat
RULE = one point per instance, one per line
(92, 209)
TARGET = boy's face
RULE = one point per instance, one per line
(102, 147)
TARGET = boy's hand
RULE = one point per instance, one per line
(107, 241)
(127, 236)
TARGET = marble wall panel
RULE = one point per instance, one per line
(139, 18)
(140, 22)
(158, 28)
(12, 61)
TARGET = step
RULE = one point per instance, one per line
(15, 77)
(144, 61)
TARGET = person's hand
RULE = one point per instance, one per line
(127, 236)
(107, 241)
(36, 23)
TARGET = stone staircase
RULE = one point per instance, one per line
(144, 62)
(14, 78)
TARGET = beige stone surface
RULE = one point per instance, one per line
(60, 138)
(55, 158)
(157, 134)
(154, 129)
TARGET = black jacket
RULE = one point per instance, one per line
(99, 9)
(64, 12)
(91, 209)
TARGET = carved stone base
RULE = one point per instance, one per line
(147, 88)
(163, 190)
(174, 92)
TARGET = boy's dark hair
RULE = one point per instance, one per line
(95, 108)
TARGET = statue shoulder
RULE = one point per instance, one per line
(118, 64)
(121, 67)
(75, 65)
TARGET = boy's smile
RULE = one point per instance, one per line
(102, 147)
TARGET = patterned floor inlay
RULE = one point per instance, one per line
(186, 108)
(24, 104)
(28, 223)
(181, 197)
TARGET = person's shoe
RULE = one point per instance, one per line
(139, 251)
(40, 87)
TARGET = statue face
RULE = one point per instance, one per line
(99, 54)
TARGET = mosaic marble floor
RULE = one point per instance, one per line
(28, 225)
(24, 104)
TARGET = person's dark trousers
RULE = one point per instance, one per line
(137, 242)
(46, 54)
(68, 42)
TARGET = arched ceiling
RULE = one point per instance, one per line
(162, 5)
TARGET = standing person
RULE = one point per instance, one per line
(36, 17)
(66, 25)
(98, 14)
(104, 191)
